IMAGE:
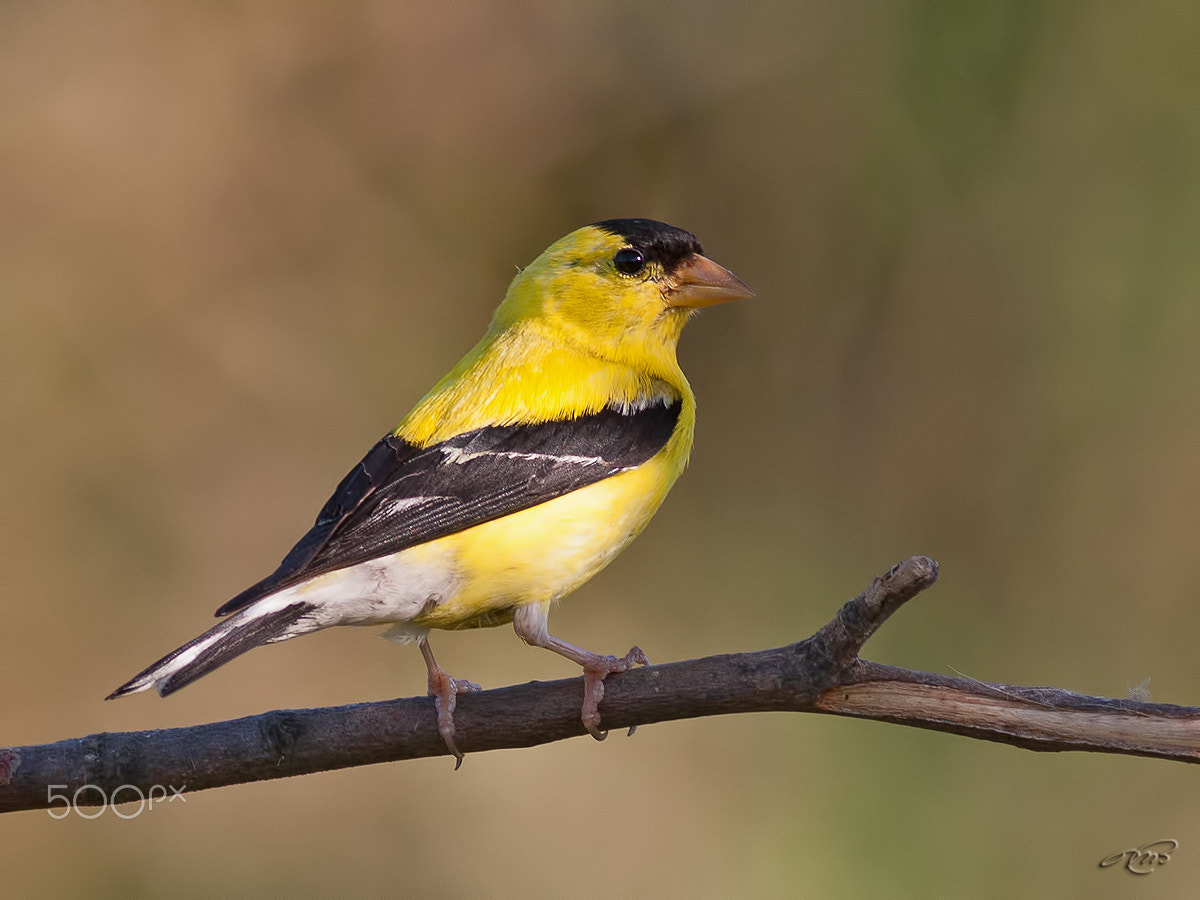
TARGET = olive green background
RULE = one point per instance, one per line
(238, 242)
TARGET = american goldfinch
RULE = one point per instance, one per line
(519, 476)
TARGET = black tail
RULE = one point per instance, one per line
(232, 637)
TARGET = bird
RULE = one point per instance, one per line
(515, 479)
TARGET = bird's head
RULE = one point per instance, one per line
(621, 288)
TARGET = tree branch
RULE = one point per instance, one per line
(822, 674)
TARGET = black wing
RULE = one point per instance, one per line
(401, 495)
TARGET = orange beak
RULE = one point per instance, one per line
(698, 281)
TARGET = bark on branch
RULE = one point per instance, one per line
(822, 674)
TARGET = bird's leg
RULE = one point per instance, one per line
(595, 669)
(530, 624)
(445, 690)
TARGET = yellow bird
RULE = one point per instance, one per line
(519, 476)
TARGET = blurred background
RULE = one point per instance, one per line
(237, 242)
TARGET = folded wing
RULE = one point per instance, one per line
(401, 495)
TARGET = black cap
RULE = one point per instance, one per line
(656, 241)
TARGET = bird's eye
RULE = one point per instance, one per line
(629, 261)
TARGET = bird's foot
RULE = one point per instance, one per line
(595, 670)
(445, 690)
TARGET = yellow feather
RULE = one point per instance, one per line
(570, 338)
